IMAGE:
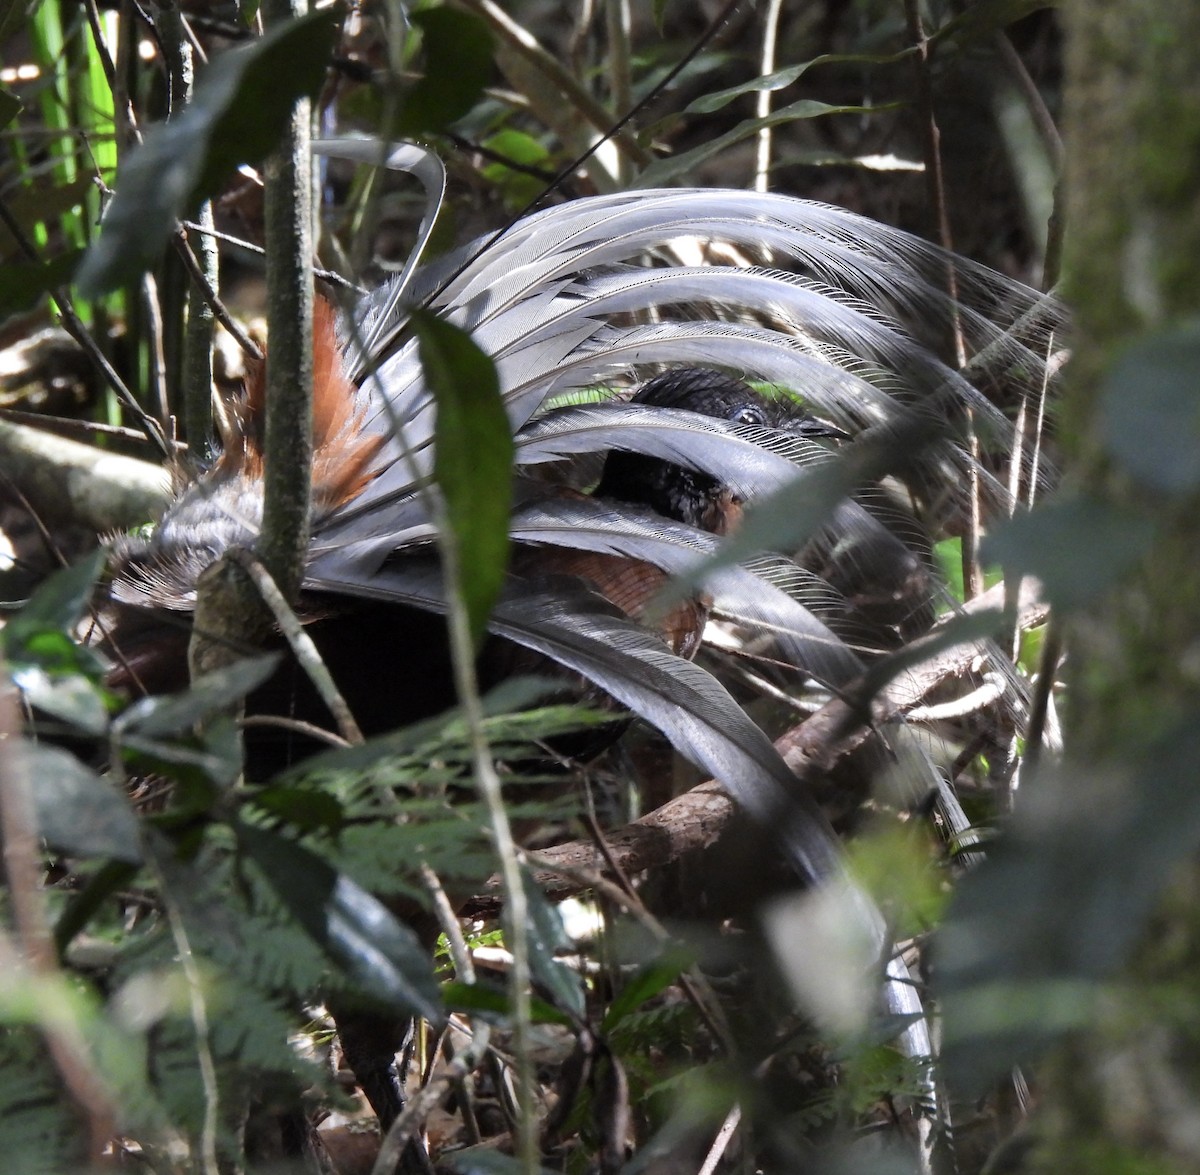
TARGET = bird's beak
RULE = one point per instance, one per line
(811, 427)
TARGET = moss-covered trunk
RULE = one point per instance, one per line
(1126, 1095)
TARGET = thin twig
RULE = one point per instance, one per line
(300, 642)
(449, 923)
(295, 726)
(488, 782)
(936, 184)
(620, 76)
(158, 361)
(420, 1106)
(1034, 102)
(722, 1141)
(73, 325)
(66, 426)
(184, 249)
(766, 65)
(326, 275)
(199, 1013)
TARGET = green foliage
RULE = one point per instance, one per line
(458, 63)
(236, 117)
(284, 886)
(38, 1130)
(473, 461)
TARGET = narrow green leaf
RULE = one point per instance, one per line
(662, 172)
(458, 64)
(240, 107)
(708, 103)
(473, 459)
(383, 956)
(491, 1003)
(77, 811)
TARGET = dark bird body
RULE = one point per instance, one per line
(560, 307)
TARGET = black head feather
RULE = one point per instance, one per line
(687, 495)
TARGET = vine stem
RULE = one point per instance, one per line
(462, 653)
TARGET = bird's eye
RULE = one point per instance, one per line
(749, 414)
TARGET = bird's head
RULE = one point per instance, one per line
(688, 495)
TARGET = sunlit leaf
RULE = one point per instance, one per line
(71, 698)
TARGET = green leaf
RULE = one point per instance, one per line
(1063, 899)
(708, 103)
(304, 808)
(662, 172)
(201, 767)
(78, 812)
(458, 64)
(71, 698)
(208, 695)
(948, 554)
(237, 115)
(383, 956)
(545, 935)
(651, 979)
(1078, 547)
(473, 459)
(491, 1003)
(57, 604)
(518, 187)
(1150, 413)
